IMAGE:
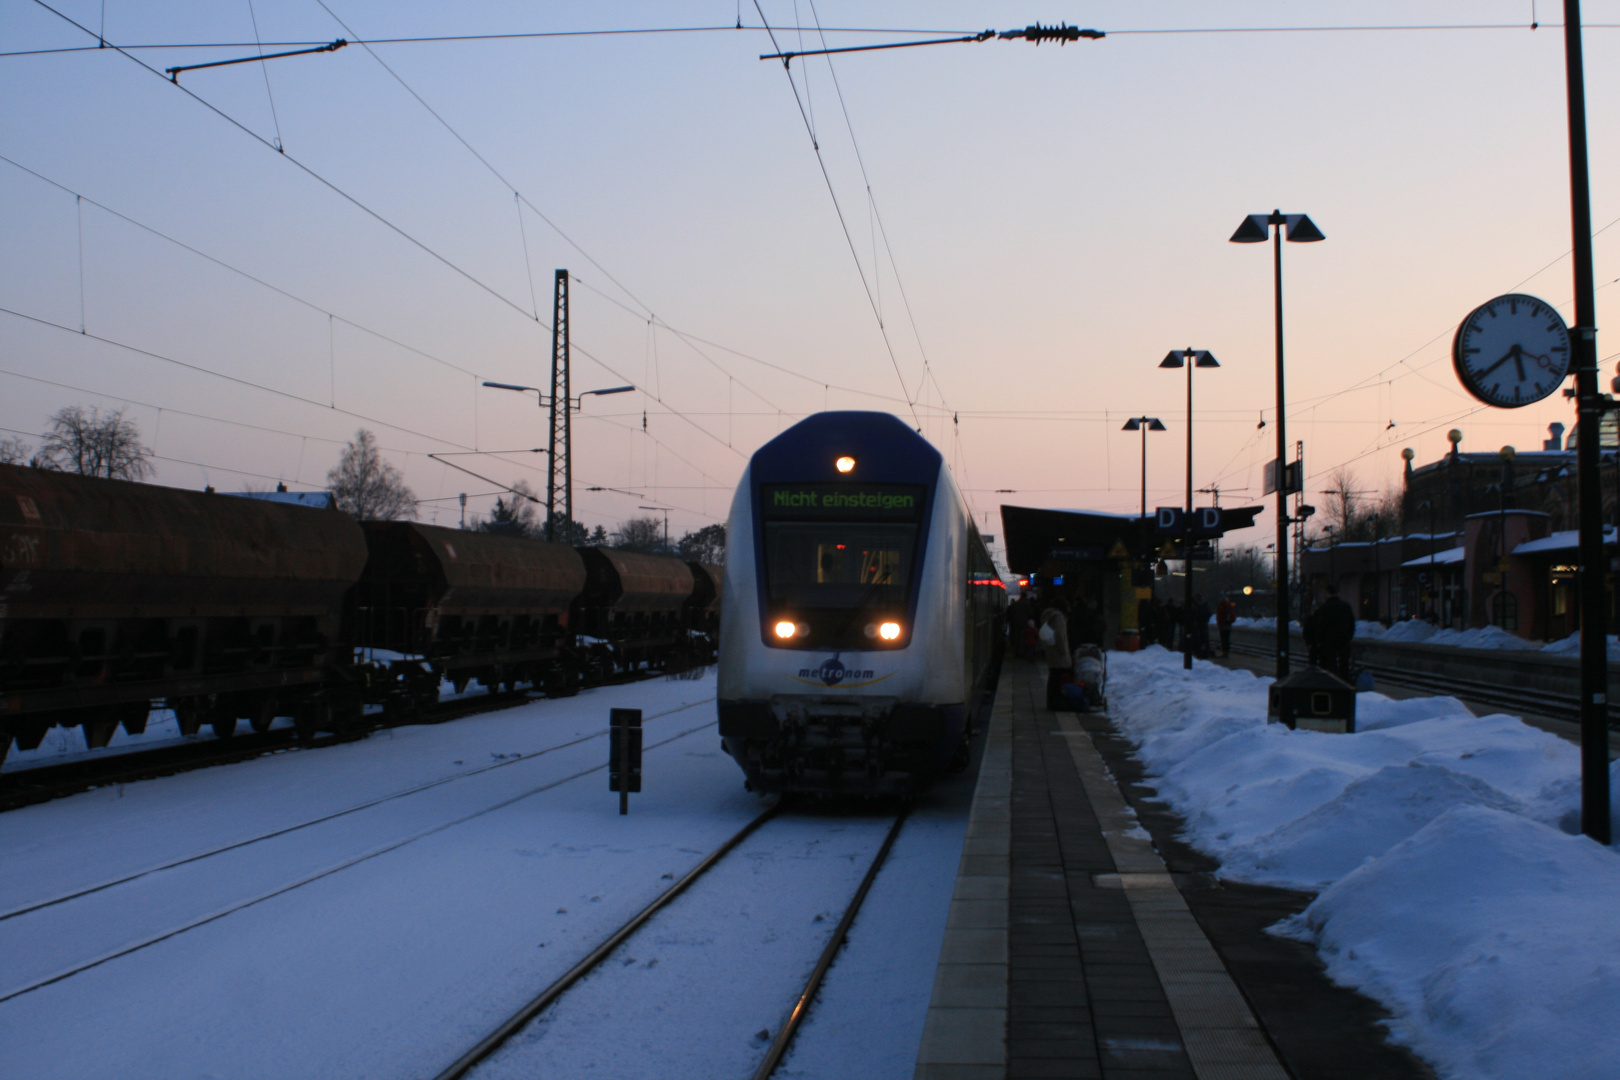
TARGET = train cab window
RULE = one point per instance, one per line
(837, 565)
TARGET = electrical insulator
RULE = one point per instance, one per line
(1062, 33)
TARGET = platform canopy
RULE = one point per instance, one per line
(1034, 536)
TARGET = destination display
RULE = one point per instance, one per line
(842, 502)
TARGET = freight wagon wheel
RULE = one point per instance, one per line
(223, 723)
(189, 715)
(98, 730)
(311, 717)
(262, 714)
(133, 716)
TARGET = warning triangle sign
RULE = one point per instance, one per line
(1119, 551)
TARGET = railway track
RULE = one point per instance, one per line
(594, 960)
(162, 933)
(1537, 703)
(42, 783)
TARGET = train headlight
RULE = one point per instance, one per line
(889, 631)
(785, 629)
(845, 464)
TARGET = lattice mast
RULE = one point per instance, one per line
(562, 469)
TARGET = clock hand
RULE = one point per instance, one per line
(1509, 355)
(1518, 360)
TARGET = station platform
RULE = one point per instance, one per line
(1085, 940)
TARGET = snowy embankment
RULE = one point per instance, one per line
(1479, 637)
(1452, 887)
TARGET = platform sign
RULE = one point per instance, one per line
(1172, 521)
(624, 754)
(1294, 476)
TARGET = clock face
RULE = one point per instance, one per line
(1511, 351)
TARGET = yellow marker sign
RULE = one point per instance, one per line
(1119, 551)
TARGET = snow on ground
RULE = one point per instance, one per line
(449, 871)
(1451, 887)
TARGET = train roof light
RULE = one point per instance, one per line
(845, 464)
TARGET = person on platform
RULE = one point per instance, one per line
(1147, 614)
(1090, 626)
(1169, 623)
(1329, 631)
(1198, 626)
(1225, 616)
(1054, 635)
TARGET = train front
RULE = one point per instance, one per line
(842, 659)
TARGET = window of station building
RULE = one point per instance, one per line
(1560, 599)
(1505, 611)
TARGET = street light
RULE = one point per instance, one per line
(566, 458)
(1256, 229)
(665, 511)
(1189, 359)
(1144, 424)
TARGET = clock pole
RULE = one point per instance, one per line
(1589, 412)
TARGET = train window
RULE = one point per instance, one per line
(837, 565)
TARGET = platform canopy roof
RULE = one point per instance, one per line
(1035, 535)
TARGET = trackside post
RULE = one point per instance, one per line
(624, 759)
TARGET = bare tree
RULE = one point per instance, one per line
(13, 451)
(85, 442)
(640, 534)
(368, 487)
(1343, 501)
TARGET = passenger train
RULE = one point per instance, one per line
(861, 615)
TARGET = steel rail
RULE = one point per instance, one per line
(535, 1006)
(801, 1008)
(356, 808)
(240, 905)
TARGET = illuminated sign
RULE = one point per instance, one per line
(891, 502)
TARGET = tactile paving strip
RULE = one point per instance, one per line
(1220, 1034)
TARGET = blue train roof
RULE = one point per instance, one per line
(885, 450)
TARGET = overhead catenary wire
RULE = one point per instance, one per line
(842, 223)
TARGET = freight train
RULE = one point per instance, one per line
(863, 615)
(116, 598)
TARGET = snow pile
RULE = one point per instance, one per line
(1490, 938)
(1410, 630)
(1450, 887)
(1367, 629)
(1481, 637)
(1571, 646)
(1260, 624)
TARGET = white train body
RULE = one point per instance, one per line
(861, 615)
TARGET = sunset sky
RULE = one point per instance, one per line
(998, 242)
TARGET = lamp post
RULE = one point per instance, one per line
(1256, 229)
(665, 511)
(1428, 504)
(567, 456)
(1189, 359)
(1144, 424)
(1507, 454)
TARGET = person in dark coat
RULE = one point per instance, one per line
(1225, 616)
(1198, 626)
(1329, 631)
(1169, 623)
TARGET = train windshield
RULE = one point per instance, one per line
(826, 564)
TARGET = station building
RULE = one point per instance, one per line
(1491, 541)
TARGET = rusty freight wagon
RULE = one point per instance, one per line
(115, 596)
